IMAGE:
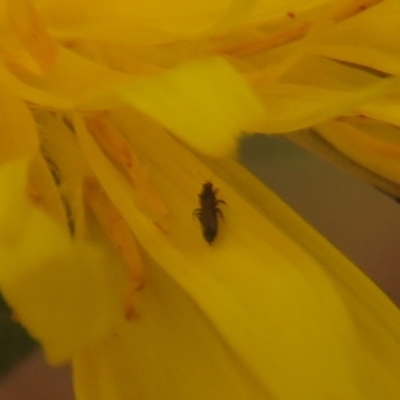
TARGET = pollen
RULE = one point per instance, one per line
(122, 154)
(121, 237)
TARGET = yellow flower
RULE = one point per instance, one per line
(100, 256)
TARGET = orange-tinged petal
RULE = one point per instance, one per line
(31, 32)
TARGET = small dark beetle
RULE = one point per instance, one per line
(208, 211)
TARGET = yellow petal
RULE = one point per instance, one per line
(312, 142)
(67, 294)
(67, 167)
(375, 328)
(18, 136)
(365, 39)
(385, 109)
(31, 32)
(269, 298)
(206, 104)
(44, 193)
(183, 367)
(315, 90)
(143, 23)
(279, 312)
(372, 144)
(74, 81)
(156, 22)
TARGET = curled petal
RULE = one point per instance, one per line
(365, 39)
(374, 145)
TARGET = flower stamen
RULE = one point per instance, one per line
(120, 235)
(121, 153)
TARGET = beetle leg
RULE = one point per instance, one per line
(197, 213)
(219, 212)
